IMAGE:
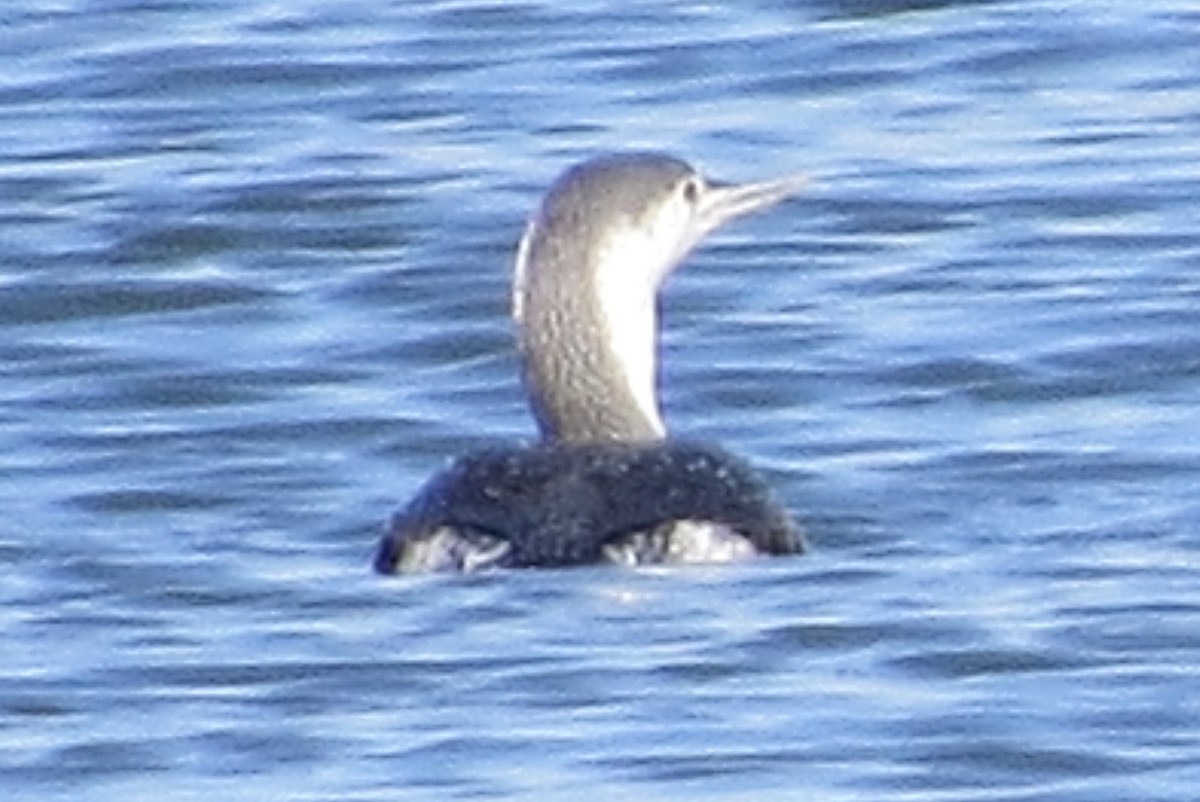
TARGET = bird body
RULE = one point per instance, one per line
(557, 504)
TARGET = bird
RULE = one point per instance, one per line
(604, 482)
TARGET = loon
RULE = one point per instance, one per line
(604, 483)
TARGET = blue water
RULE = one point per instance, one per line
(253, 275)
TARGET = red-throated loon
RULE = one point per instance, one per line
(605, 484)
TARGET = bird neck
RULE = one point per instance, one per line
(588, 341)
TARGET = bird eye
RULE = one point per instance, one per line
(691, 190)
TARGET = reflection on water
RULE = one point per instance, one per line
(253, 279)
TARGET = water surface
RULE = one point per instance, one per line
(253, 278)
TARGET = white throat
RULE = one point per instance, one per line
(627, 296)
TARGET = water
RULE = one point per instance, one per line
(253, 267)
